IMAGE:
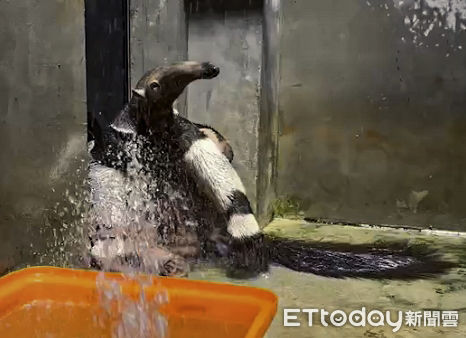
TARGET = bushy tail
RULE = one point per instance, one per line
(339, 261)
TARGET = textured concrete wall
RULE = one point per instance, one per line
(233, 41)
(372, 110)
(42, 120)
(158, 31)
(268, 122)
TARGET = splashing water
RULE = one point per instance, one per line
(131, 317)
(133, 219)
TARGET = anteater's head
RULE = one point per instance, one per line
(160, 87)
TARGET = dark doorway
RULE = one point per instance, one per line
(106, 59)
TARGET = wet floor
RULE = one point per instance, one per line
(300, 290)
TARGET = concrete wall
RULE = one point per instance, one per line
(372, 124)
(158, 31)
(42, 120)
(268, 122)
(232, 40)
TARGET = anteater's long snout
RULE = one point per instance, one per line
(161, 86)
(193, 70)
(209, 70)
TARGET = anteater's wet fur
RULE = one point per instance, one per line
(179, 201)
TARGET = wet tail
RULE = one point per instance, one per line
(339, 261)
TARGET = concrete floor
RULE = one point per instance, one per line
(301, 290)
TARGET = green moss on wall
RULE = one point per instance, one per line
(288, 207)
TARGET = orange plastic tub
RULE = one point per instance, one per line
(54, 302)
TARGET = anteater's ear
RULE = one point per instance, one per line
(139, 92)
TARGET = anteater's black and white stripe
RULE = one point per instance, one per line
(221, 181)
(220, 141)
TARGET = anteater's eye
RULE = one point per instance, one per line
(154, 85)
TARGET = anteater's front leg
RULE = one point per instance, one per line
(224, 187)
(120, 238)
(108, 255)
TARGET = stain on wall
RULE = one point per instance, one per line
(42, 120)
(372, 118)
(232, 40)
